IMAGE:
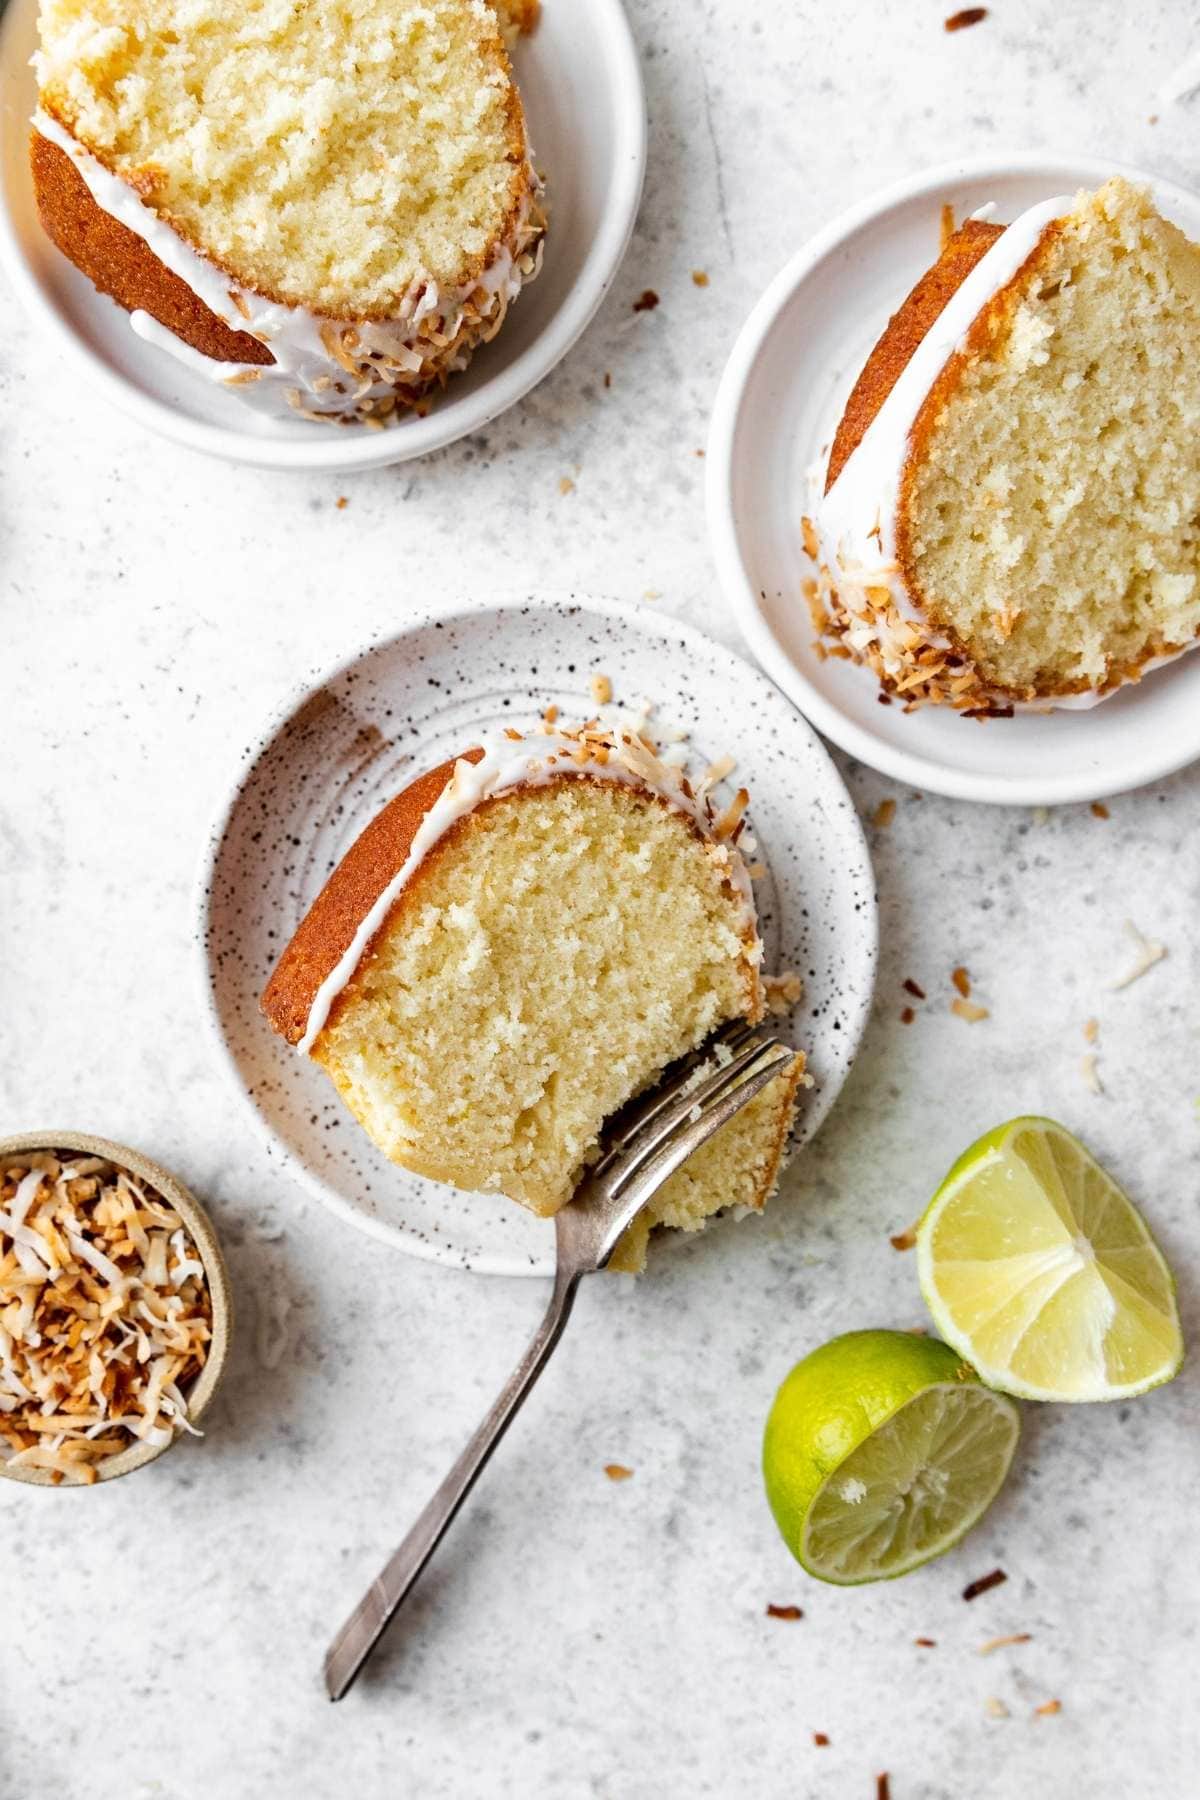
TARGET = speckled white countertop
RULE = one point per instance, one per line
(162, 1639)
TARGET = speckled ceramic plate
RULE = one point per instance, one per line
(581, 85)
(780, 398)
(341, 748)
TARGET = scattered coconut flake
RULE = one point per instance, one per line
(731, 818)
(962, 982)
(970, 15)
(1183, 83)
(904, 1240)
(884, 813)
(967, 1009)
(1091, 1030)
(716, 772)
(983, 1584)
(617, 1472)
(602, 689)
(273, 1330)
(782, 991)
(995, 1708)
(566, 485)
(783, 1612)
(1047, 1709)
(1090, 1073)
(999, 1643)
(1148, 953)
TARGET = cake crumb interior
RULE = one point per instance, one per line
(566, 945)
(1053, 515)
(327, 153)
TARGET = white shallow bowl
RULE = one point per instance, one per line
(343, 746)
(581, 84)
(782, 393)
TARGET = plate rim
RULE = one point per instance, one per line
(446, 610)
(914, 768)
(337, 452)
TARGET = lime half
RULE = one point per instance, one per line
(882, 1450)
(1038, 1268)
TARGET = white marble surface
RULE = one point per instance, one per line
(162, 1638)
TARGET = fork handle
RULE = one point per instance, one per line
(370, 1618)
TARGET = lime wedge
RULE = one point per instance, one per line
(881, 1451)
(1038, 1268)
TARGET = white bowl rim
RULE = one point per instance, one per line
(1155, 762)
(446, 611)
(337, 450)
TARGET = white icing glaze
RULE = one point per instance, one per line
(306, 377)
(531, 761)
(856, 520)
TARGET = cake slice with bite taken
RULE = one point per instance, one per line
(520, 942)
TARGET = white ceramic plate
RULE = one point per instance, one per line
(341, 748)
(780, 398)
(582, 88)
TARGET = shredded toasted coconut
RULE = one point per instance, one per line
(105, 1314)
(782, 991)
(995, 1707)
(617, 1472)
(999, 1643)
(1148, 953)
(1090, 1073)
(1047, 1709)
(967, 1009)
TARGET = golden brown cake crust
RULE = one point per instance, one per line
(376, 856)
(121, 264)
(904, 331)
(327, 929)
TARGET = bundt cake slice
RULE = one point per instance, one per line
(327, 208)
(519, 943)
(1010, 514)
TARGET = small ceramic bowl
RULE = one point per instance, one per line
(581, 85)
(200, 1231)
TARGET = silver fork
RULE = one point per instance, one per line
(644, 1146)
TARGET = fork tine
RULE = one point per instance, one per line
(636, 1183)
(640, 1111)
(681, 1102)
